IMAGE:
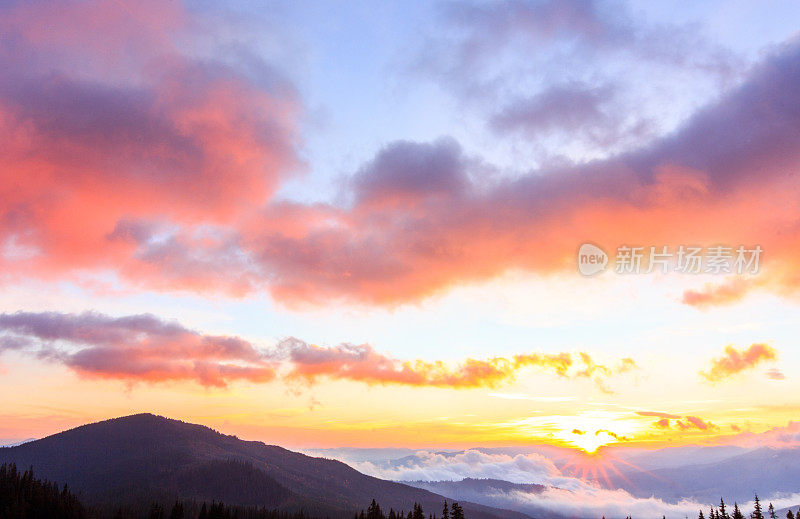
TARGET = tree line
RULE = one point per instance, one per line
(23, 496)
(721, 511)
(374, 511)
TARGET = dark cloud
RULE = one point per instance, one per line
(574, 109)
(135, 348)
(409, 172)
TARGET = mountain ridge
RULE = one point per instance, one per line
(144, 453)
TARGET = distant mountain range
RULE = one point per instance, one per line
(736, 477)
(550, 482)
(143, 457)
(490, 492)
(14, 443)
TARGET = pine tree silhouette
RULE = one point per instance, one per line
(721, 513)
(757, 514)
(177, 511)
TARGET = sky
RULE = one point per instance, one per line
(329, 224)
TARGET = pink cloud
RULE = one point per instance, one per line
(735, 361)
(143, 348)
(160, 167)
(662, 423)
(718, 294)
(775, 374)
(699, 423)
(777, 437)
(147, 134)
(136, 348)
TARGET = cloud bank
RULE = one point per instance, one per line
(147, 349)
(566, 495)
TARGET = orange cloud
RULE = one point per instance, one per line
(143, 348)
(612, 434)
(735, 361)
(362, 363)
(718, 294)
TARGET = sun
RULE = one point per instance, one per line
(590, 442)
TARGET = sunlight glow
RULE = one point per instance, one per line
(590, 442)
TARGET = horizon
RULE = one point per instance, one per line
(749, 443)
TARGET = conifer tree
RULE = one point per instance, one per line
(771, 510)
(737, 514)
(757, 514)
(177, 511)
(789, 514)
(701, 516)
(374, 511)
(456, 512)
(722, 513)
(445, 511)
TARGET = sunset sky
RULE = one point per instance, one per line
(357, 224)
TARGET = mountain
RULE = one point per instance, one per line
(14, 443)
(490, 492)
(141, 456)
(673, 457)
(764, 470)
(459, 489)
(781, 513)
